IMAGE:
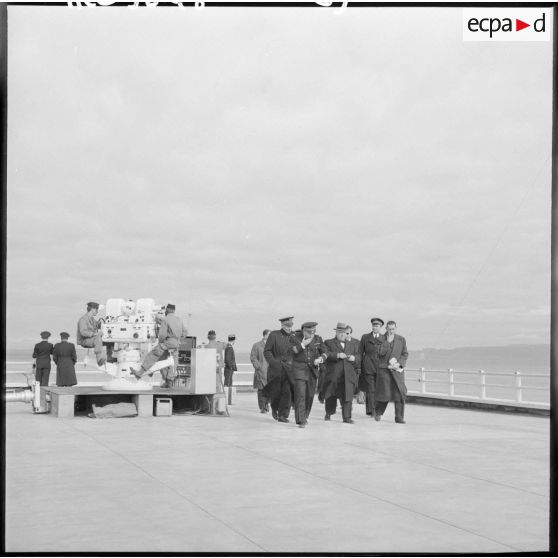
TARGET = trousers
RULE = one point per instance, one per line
(263, 401)
(399, 408)
(346, 406)
(304, 391)
(279, 392)
(94, 343)
(370, 401)
(398, 401)
(159, 352)
(42, 375)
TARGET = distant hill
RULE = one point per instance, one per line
(525, 358)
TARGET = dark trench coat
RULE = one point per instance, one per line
(64, 355)
(341, 375)
(396, 349)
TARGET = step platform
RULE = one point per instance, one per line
(68, 402)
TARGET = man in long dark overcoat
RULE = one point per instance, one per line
(342, 371)
(373, 347)
(308, 352)
(278, 388)
(42, 352)
(260, 370)
(390, 382)
(64, 355)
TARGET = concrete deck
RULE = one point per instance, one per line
(450, 480)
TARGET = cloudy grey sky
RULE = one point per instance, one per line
(247, 163)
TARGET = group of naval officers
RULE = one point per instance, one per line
(291, 366)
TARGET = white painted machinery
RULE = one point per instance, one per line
(131, 327)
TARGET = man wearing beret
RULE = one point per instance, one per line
(42, 352)
(390, 382)
(342, 371)
(64, 355)
(373, 347)
(278, 388)
(308, 352)
(171, 330)
(88, 334)
(230, 365)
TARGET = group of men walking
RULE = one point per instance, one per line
(290, 367)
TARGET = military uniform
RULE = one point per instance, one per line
(64, 355)
(42, 352)
(303, 374)
(372, 350)
(170, 332)
(278, 388)
(230, 365)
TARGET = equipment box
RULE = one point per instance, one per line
(163, 407)
(196, 371)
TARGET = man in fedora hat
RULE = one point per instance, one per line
(64, 355)
(390, 382)
(260, 370)
(278, 388)
(308, 352)
(171, 330)
(342, 371)
(88, 334)
(373, 347)
(41, 353)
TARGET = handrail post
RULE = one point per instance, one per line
(482, 384)
(422, 380)
(518, 387)
(451, 384)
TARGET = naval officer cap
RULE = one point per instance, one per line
(64, 335)
(171, 307)
(232, 337)
(93, 305)
(45, 334)
(309, 325)
(379, 320)
(287, 319)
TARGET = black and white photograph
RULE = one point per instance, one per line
(277, 277)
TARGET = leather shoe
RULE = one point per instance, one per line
(302, 424)
(349, 421)
(263, 411)
(400, 421)
(378, 418)
(275, 415)
(283, 419)
(327, 417)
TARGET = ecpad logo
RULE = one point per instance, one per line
(507, 24)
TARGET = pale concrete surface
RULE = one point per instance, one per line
(450, 480)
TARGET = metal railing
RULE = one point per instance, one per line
(448, 382)
(480, 383)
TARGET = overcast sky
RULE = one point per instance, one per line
(250, 163)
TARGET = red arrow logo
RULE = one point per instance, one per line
(519, 25)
